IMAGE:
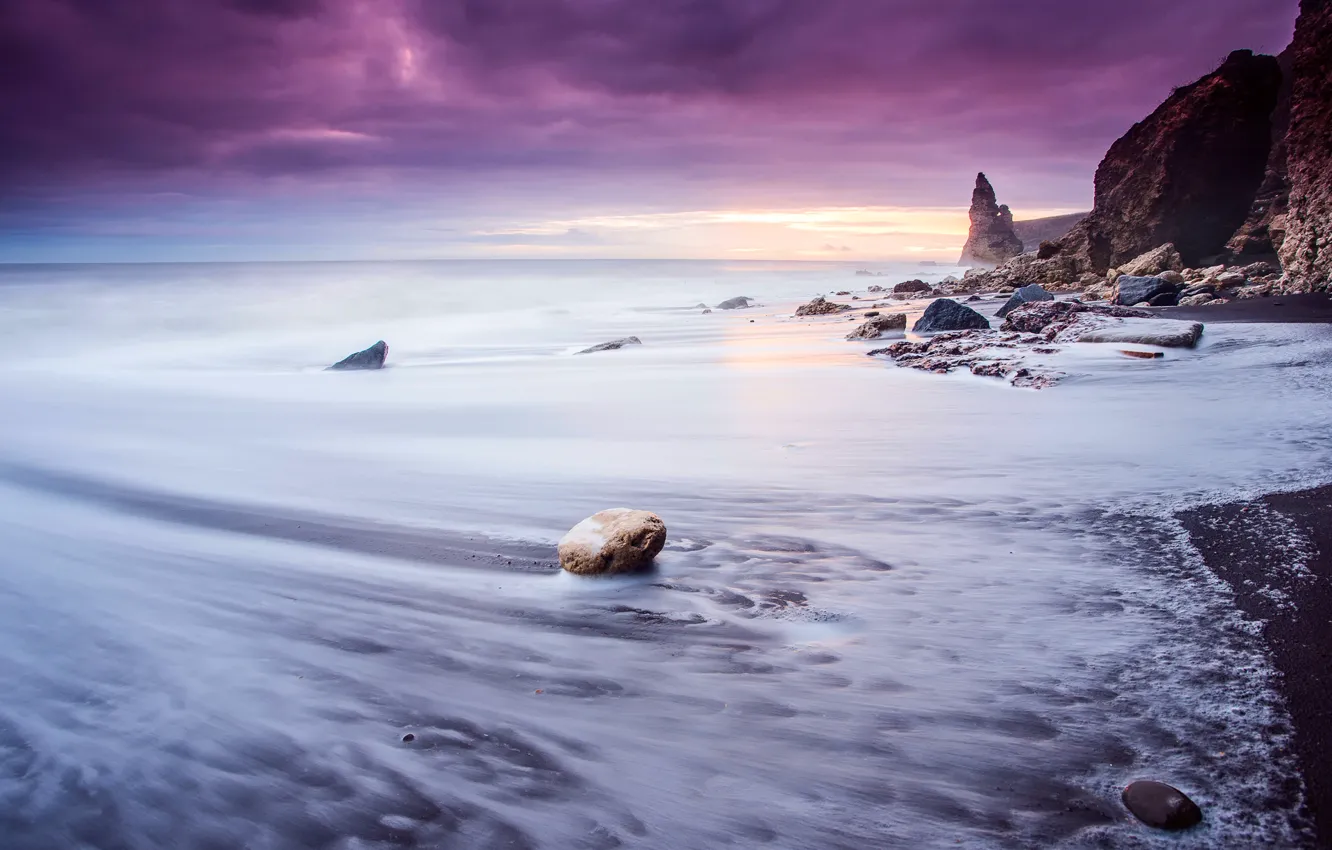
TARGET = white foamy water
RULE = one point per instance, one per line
(896, 609)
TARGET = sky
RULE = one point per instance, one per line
(180, 130)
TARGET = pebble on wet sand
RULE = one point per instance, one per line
(1159, 805)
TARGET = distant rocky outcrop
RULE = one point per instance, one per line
(1306, 252)
(1187, 174)
(1264, 230)
(991, 240)
(371, 358)
(1034, 231)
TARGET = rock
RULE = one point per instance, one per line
(911, 286)
(1048, 318)
(1164, 299)
(875, 288)
(1186, 175)
(619, 540)
(1152, 263)
(1306, 252)
(1161, 806)
(1142, 355)
(706, 312)
(991, 239)
(1231, 279)
(738, 303)
(1198, 289)
(371, 358)
(1261, 269)
(1217, 302)
(1172, 277)
(948, 315)
(1167, 333)
(1047, 250)
(839, 294)
(1264, 230)
(878, 325)
(1196, 300)
(971, 298)
(1025, 295)
(613, 345)
(1135, 290)
(820, 306)
(1034, 231)
(871, 314)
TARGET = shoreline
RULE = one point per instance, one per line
(1275, 553)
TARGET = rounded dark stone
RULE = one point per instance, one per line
(408, 738)
(1159, 805)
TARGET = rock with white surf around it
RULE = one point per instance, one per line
(619, 540)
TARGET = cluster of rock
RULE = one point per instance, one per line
(1233, 168)
(1034, 327)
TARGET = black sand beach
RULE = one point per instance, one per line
(1276, 553)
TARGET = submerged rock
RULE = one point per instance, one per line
(948, 315)
(613, 345)
(1161, 806)
(371, 358)
(820, 306)
(618, 540)
(737, 303)
(878, 325)
(1025, 295)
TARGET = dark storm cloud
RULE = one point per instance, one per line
(96, 89)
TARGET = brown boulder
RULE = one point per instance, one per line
(878, 325)
(619, 540)
(1306, 252)
(991, 240)
(820, 306)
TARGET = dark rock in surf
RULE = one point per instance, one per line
(735, 303)
(948, 315)
(1130, 290)
(1161, 806)
(613, 345)
(371, 358)
(1164, 299)
(1025, 295)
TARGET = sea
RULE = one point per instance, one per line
(246, 602)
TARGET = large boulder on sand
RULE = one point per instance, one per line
(1154, 262)
(946, 314)
(1025, 295)
(613, 345)
(371, 358)
(878, 325)
(1130, 290)
(619, 540)
(738, 303)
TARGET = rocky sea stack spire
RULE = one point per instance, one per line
(991, 240)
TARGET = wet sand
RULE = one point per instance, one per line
(1301, 309)
(1276, 553)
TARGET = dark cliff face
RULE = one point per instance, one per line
(991, 240)
(1263, 231)
(1187, 174)
(1306, 252)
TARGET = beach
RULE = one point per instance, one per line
(244, 599)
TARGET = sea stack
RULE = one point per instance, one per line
(991, 240)
(1306, 253)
